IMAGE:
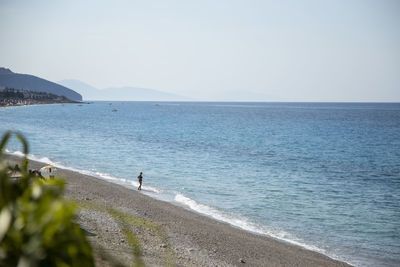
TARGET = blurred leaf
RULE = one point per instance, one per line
(4, 141)
(5, 219)
(37, 225)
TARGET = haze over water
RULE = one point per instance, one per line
(325, 176)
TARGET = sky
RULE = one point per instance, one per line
(309, 50)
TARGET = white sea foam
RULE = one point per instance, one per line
(241, 222)
(214, 213)
(104, 176)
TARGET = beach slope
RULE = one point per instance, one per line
(168, 234)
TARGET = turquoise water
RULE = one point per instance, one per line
(325, 176)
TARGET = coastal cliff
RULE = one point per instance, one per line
(32, 83)
(13, 97)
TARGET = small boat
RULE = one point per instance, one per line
(114, 110)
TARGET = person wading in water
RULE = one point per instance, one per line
(140, 178)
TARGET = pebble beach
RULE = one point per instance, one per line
(169, 234)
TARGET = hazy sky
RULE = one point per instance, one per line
(322, 50)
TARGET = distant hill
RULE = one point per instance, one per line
(12, 97)
(121, 93)
(32, 83)
(139, 94)
(87, 91)
(242, 96)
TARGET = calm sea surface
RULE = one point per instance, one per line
(325, 176)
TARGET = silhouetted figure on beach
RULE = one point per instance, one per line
(38, 173)
(35, 173)
(16, 171)
(51, 173)
(140, 178)
(16, 168)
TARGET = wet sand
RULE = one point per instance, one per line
(192, 239)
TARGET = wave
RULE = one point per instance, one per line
(250, 226)
(242, 223)
(232, 219)
(104, 176)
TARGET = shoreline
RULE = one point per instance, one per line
(195, 239)
(40, 104)
(30, 102)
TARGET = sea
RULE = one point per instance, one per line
(323, 176)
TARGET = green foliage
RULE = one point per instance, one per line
(37, 225)
(11, 93)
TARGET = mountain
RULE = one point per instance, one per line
(120, 93)
(139, 94)
(87, 91)
(13, 97)
(242, 96)
(32, 83)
